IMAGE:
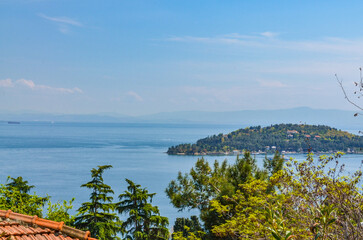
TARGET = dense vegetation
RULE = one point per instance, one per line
(311, 199)
(281, 137)
(99, 215)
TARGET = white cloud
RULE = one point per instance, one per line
(29, 84)
(63, 23)
(225, 39)
(63, 20)
(135, 96)
(269, 34)
(269, 40)
(240, 36)
(6, 83)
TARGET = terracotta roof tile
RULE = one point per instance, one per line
(24, 227)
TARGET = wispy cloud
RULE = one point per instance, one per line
(225, 39)
(135, 96)
(63, 23)
(269, 34)
(271, 40)
(29, 84)
(62, 20)
(6, 83)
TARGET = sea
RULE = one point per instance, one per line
(56, 157)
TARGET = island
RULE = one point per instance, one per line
(286, 138)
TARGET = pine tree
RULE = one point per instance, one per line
(144, 221)
(98, 215)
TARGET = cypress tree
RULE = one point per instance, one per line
(144, 221)
(98, 215)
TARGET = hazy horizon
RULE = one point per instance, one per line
(24, 111)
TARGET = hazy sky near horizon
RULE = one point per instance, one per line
(141, 57)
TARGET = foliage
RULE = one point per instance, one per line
(285, 137)
(310, 199)
(315, 199)
(59, 212)
(14, 195)
(243, 212)
(144, 220)
(18, 184)
(187, 228)
(321, 200)
(98, 215)
(188, 234)
(273, 165)
(276, 224)
(205, 185)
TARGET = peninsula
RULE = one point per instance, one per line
(286, 138)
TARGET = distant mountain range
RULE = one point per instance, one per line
(336, 118)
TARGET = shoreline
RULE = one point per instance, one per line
(260, 153)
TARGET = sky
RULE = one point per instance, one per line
(144, 57)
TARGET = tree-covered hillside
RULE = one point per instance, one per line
(282, 137)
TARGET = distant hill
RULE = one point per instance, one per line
(337, 118)
(330, 117)
(47, 117)
(282, 137)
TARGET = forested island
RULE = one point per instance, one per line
(289, 138)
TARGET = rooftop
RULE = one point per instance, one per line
(24, 227)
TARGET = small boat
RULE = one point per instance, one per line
(13, 122)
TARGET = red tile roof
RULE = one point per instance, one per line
(24, 227)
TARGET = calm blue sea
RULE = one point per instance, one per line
(57, 157)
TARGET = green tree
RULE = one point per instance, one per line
(320, 199)
(204, 183)
(316, 199)
(187, 228)
(243, 212)
(274, 164)
(190, 235)
(59, 212)
(18, 184)
(15, 195)
(144, 221)
(98, 215)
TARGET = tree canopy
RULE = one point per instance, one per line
(144, 221)
(98, 215)
(205, 184)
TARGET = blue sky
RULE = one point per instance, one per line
(142, 57)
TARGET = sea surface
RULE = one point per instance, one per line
(57, 157)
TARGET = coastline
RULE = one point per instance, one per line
(258, 153)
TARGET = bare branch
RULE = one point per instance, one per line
(345, 94)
